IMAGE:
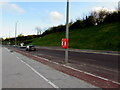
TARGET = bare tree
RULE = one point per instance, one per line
(38, 30)
(95, 16)
(100, 15)
(119, 6)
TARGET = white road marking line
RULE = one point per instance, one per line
(104, 53)
(116, 54)
(46, 59)
(80, 70)
(58, 63)
(92, 74)
(38, 73)
(7, 49)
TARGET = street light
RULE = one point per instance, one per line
(16, 33)
(67, 31)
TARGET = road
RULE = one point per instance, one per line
(19, 71)
(108, 61)
(104, 65)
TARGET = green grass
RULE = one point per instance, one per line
(101, 37)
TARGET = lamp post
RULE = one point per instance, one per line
(16, 33)
(67, 31)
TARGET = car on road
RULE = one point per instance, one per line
(14, 45)
(30, 48)
(22, 46)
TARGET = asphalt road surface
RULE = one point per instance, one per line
(108, 61)
(104, 65)
(19, 71)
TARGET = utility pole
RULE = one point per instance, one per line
(67, 31)
(16, 33)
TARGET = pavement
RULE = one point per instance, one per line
(19, 71)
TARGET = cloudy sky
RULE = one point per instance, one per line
(43, 14)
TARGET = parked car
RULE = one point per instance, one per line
(30, 48)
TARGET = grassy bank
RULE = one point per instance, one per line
(101, 37)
